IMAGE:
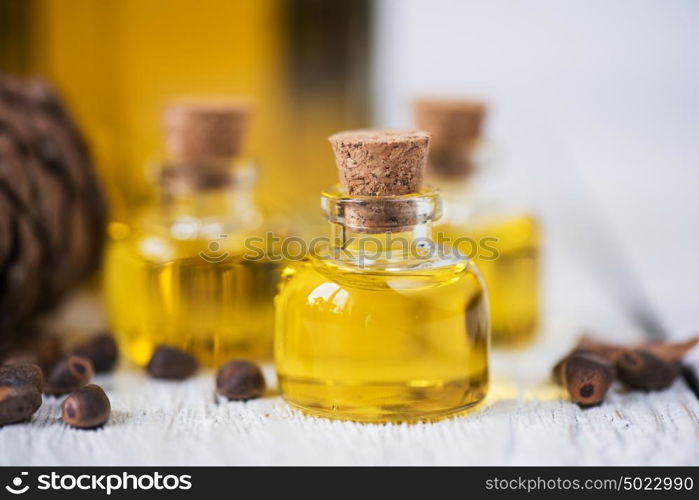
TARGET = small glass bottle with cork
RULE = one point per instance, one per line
(183, 275)
(381, 324)
(481, 218)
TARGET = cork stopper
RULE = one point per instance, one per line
(380, 163)
(203, 131)
(455, 125)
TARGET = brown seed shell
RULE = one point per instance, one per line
(101, 351)
(69, 374)
(171, 363)
(672, 352)
(20, 374)
(605, 349)
(641, 369)
(18, 403)
(86, 408)
(40, 349)
(586, 376)
(240, 380)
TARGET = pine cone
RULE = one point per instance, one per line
(52, 210)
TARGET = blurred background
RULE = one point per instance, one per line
(594, 106)
(304, 63)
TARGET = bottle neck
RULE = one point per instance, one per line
(342, 236)
(369, 230)
(207, 191)
(460, 167)
(479, 195)
(210, 202)
(406, 247)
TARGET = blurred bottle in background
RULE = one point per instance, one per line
(303, 62)
(192, 271)
(479, 218)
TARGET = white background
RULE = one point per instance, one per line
(597, 96)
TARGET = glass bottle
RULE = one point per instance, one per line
(195, 270)
(481, 218)
(379, 323)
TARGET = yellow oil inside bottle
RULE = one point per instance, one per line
(377, 346)
(201, 295)
(506, 252)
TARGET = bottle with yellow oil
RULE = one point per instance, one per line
(380, 324)
(503, 240)
(198, 270)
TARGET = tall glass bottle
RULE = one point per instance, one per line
(192, 271)
(502, 238)
(381, 324)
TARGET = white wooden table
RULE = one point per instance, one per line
(526, 420)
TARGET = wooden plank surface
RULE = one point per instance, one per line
(164, 423)
(526, 420)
